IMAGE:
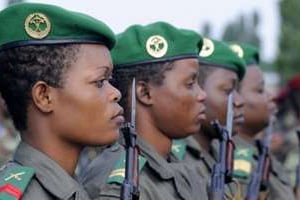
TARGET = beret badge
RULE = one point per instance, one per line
(156, 46)
(37, 25)
(207, 48)
(237, 49)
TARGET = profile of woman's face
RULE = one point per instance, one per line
(86, 108)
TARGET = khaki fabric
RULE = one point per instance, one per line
(279, 187)
(50, 181)
(204, 161)
(158, 178)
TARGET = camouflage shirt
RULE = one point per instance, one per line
(203, 162)
(158, 178)
(33, 175)
(279, 187)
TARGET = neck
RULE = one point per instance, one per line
(246, 135)
(63, 154)
(203, 140)
(152, 135)
(40, 135)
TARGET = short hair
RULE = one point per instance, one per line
(150, 73)
(22, 67)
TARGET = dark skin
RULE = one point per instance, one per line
(218, 85)
(172, 110)
(259, 104)
(84, 111)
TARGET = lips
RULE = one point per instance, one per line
(118, 117)
(202, 115)
(238, 119)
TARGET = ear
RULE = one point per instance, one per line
(42, 96)
(144, 93)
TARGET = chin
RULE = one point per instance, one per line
(106, 139)
(187, 134)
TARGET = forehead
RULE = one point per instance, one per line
(90, 62)
(253, 76)
(223, 74)
(93, 56)
(216, 76)
(99, 53)
(186, 66)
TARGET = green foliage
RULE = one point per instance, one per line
(288, 60)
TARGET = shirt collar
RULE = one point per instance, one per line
(53, 178)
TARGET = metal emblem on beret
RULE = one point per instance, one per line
(37, 25)
(156, 46)
(237, 49)
(208, 48)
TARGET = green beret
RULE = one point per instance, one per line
(248, 52)
(157, 42)
(219, 54)
(41, 24)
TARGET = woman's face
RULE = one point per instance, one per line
(86, 107)
(218, 85)
(178, 107)
(259, 104)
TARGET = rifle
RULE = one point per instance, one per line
(130, 189)
(259, 180)
(222, 170)
(297, 187)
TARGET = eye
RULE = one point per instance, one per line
(260, 90)
(228, 90)
(191, 83)
(100, 83)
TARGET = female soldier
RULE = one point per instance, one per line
(259, 108)
(54, 73)
(169, 105)
(220, 72)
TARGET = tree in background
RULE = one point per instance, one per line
(13, 1)
(206, 30)
(288, 59)
(244, 29)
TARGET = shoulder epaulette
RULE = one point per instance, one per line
(14, 182)
(179, 148)
(118, 173)
(242, 162)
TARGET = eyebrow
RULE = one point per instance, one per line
(106, 69)
(194, 75)
(234, 81)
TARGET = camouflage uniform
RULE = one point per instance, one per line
(191, 152)
(279, 187)
(158, 178)
(33, 175)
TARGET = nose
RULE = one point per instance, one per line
(272, 102)
(238, 100)
(271, 96)
(201, 95)
(114, 94)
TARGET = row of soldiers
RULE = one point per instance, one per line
(193, 106)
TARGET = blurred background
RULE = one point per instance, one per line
(271, 25)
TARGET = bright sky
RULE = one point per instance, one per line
(190, 14)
